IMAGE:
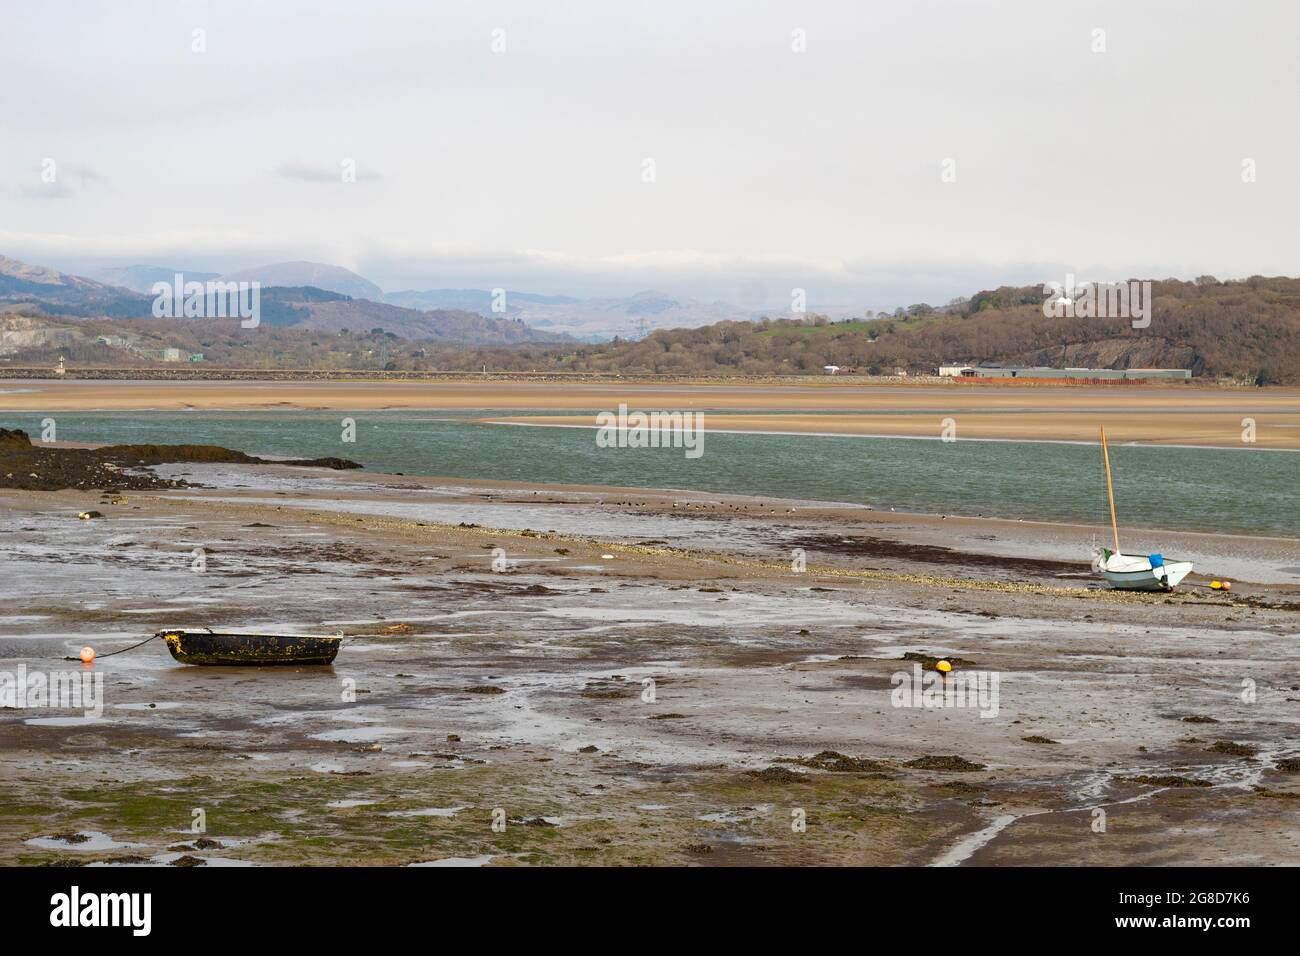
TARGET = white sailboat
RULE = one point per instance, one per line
(1131, 572)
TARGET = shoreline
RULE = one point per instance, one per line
(985, 539)
(885, 512)
(953, 516)
(522, 687)
(868, 512)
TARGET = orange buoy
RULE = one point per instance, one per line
(1227, 585)
(87, 655)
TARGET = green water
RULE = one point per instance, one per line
(1247, 490)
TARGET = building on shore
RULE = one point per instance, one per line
(1040, 371)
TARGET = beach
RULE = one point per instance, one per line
(564, 674)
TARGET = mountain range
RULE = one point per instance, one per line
(300, 304)
(1244, 330)
(589, 320)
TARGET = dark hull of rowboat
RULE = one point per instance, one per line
(242, 650)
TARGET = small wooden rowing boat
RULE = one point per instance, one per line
(215, 647)
(1133, 572)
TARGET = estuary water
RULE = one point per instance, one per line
(1246, 490)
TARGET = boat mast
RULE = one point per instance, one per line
(1110, 491)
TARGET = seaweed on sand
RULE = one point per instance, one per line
(837, 762)
(952, 764)
(39, 468)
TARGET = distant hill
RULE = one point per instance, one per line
(329, 312)
(30, 338)
(316, 274)
(472, 300)
(561, 316)
(593, 320)
(55, 294)
(19, 280)
(141, 278)
(38, 340)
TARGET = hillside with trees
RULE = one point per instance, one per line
(1247, 329)
(30, 338)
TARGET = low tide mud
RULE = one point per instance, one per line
(518, 686)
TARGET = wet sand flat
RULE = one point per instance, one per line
(626, 676)
(1279, 430)
(475, 392)
(1192, 415)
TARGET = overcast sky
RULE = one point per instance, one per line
(773, 168)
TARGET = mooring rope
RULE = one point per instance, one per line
(122, 651)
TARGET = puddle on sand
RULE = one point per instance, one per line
(95, 840)
(358, 735)
(738, 815)
(427, 812)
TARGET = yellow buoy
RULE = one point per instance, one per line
(1215, 585)
(943, 667)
